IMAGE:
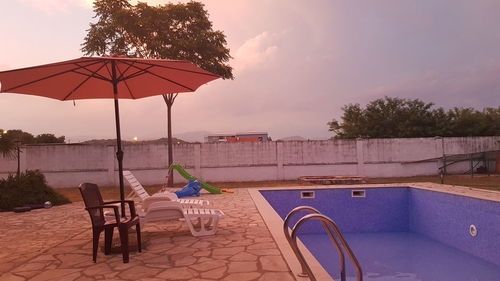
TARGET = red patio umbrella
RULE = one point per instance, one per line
(106, 77)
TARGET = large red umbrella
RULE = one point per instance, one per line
(106, 77)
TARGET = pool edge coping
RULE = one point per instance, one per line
(275, 225)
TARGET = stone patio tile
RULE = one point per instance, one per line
(243, 256)
(265, 252)
(273, 263)
(227, 251)
(57, 274)
(74, 260)
(242, 266)
(27, 274)
(267, 245)
(208, 265)
(97, 269)
(243, 276)
(6, 267)
(177, 273)
(184, 260)
(215, 273)
(204, 253)
(84, 278)
(11, 277)
(275, 276)
(54, 244)
(138, 272)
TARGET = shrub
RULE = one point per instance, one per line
(30, 189)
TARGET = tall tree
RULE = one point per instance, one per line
(404, 118)
(180, 31)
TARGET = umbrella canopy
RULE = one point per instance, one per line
(96, 77)
(106, 77)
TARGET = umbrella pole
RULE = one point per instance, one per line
(119, 155)
(119, 152)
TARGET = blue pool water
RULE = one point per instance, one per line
(403, 233)
(403, 256)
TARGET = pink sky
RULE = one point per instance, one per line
(296, 64)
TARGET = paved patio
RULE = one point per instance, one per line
(56, 244)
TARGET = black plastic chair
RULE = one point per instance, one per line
(95, 206)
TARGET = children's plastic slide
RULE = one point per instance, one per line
(205, 185)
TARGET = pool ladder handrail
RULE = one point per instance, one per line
(327, 224)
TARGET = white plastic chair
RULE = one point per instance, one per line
(201, 222)
(139, 191)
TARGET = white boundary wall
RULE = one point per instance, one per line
(69, 165)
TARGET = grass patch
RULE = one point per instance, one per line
(491, 182)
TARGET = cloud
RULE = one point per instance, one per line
(256, 51)
(53, 6)
(476, 87)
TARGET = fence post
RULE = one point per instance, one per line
(23, 158)
(197, 160)
(360, 157)
(279, 161)
(110, 164)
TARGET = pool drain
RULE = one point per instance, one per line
(473, 230)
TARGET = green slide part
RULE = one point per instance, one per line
(188, 176)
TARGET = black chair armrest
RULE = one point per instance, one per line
(131, 205)
(115, 209)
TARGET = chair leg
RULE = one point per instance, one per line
(95, 243)
(124, 242)
(108, 239)
(138, 230)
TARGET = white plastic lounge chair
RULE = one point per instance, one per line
(201, 222)
(144, 196)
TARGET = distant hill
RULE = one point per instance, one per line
(113, 141)
(293, 138)
(193, 136)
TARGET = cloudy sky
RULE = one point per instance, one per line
(296, 64)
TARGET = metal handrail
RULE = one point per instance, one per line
(345, 245)
(306, 270)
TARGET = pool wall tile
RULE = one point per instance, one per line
(377, 212)
(440, 216)
(446, 218)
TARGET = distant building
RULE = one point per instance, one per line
(238, 137)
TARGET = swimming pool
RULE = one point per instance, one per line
(402, 233)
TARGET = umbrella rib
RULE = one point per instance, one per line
(43, 78)
(179, 69)
(85, 80)
(91, 61)
(123, 73)
(169, 80)
(139, 72)
(93, 74)
(125, 81)
(144, 71)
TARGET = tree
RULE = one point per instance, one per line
(171, 31)
(404, 118)
(7, 145)
(10, 141)
(470, 122)
(49, 138)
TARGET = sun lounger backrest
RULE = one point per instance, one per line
(135, 185)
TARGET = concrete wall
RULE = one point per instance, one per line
(71, 164)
